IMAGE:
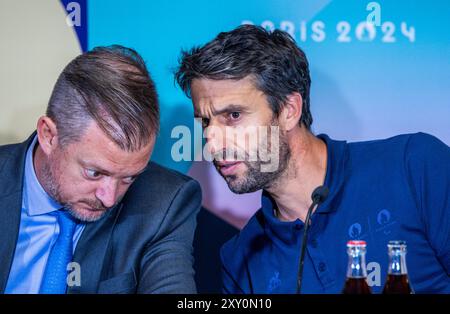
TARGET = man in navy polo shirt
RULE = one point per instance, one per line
(393, 189)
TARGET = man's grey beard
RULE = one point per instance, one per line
(53, 189)
(49, 182)
(254, 179)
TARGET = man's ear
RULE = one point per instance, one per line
(47, 134)
(291, 112)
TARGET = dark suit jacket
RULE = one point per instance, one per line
(143, 245)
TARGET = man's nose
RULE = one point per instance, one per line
(215, 139)
(107, 192)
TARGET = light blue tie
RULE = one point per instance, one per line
(55, 275)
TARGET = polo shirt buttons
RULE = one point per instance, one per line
(298, 226)
(314, 243)
(322, 267)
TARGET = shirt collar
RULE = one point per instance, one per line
(35, 200)
(337, 156)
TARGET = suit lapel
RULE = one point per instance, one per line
(11, 182)
(92, 251)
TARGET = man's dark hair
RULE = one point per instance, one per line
(276, 64)
(111, 86)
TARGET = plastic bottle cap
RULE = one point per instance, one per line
(356, 243)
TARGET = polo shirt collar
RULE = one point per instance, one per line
(337, 156)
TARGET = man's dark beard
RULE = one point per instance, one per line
(254, 179)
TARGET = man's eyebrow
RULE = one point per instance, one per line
(227, 109)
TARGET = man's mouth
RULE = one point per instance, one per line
(97, 209)
(93, 208)
(227, 168)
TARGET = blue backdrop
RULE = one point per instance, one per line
(368, 81)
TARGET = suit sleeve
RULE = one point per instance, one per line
(428, 167)
(167, 264)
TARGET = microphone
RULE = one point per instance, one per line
(318, 196)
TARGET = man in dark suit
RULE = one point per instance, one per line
(83, 210)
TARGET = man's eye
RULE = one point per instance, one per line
(235, 115)
(92, 174)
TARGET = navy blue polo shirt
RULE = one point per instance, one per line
(392, 189)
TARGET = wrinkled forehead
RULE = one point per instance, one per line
(211, 96)
(215, 88)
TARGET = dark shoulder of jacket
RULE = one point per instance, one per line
(245, 241)
(10, 151)
(159, 182)
(164, 175)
